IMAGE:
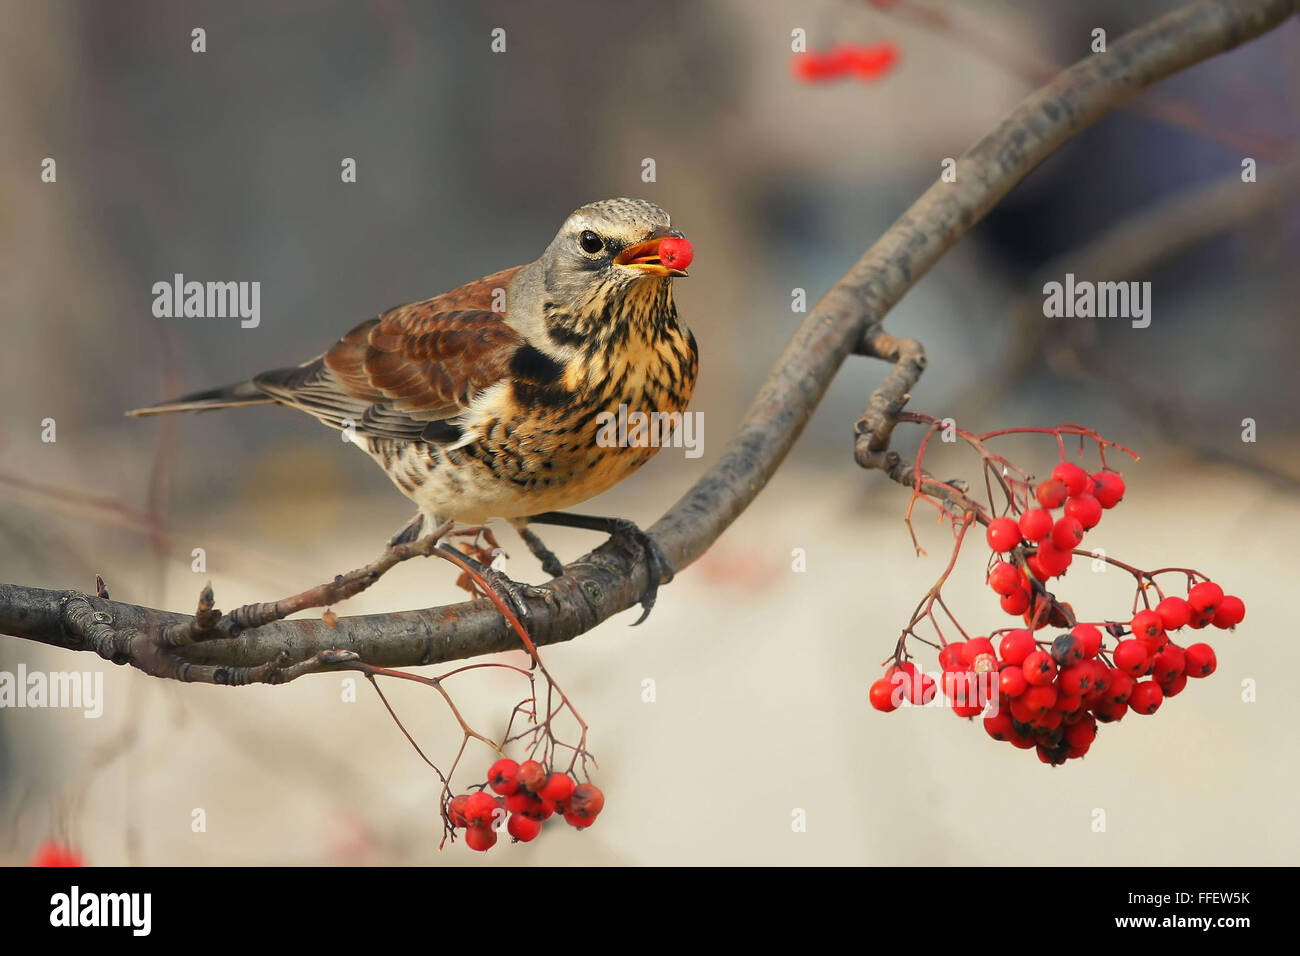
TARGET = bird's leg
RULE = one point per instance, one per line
(550, 563)
(619, 529)
(511, 591)
(409, 533)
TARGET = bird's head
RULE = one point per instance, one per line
(608, 268)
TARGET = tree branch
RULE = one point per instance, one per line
(611, 579)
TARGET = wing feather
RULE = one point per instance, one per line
(408, 373)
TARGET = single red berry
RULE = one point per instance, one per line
(1146, 697)
(1107, 488)
(1021, 741)
(1167, 666)
(1004, 578)
(1231, 612)
(1108, 712)
(1003, 534)
(523, 828)
(1053, 756)
(1050, 719)
(1011, 681)
(538, 809)
(481, 838)
(1067, 533)
(1174, 613)
(519, 801)
(1040, 699)
(585, 804)
(1205, 599)
(918, 687)
(1132, 658)
(503, 776)
(1076, 680)
(1121, 686)
(1067, 650)
(1085, 508)
(1175, 687)
(967, 693)
(882, 696)
(1053, 560)
(1101, 679)
(532, 776)
(1075, 478)
(1147, 625)
(1051, 493)
(1016, 645)
(974, 648)
(1035, 524)
(950, 656)
(577, 820)
(1200, 661)
(1039, 668)
(999, 726)
(456, 811)
(676, 253)
(1016, 603)
(1082, 733)
(479, 809)
(1089, 640)
(1020, 711)
(559, 787)
(1069, 704)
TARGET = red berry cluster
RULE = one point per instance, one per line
(1050, 695)
(846, 59)
(1049, 542)
(530, 796)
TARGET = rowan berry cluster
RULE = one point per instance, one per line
(526, 795)
(846, 59)
(1049, 695)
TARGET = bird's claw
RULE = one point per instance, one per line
(657, 564)
(513, 593)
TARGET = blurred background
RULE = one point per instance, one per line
(225, 165)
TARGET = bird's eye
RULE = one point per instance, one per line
(590, 242)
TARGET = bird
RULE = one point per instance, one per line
(485, 401)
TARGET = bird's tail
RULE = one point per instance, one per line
(232, 396)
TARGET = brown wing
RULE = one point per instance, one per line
(408, 373)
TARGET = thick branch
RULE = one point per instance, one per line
(611, 579)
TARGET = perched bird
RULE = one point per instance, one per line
(483, 402)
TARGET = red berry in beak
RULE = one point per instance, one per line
(676, 253)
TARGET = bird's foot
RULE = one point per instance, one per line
(660, 570)
(513, 593)
(627, 532)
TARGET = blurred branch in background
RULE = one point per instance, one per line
(1025, 63)
(613, 578)
(1133, 248)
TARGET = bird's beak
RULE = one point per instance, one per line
(645, 256)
